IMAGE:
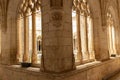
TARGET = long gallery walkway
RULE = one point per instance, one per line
(113, 76)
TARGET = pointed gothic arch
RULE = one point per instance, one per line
(83, 46)
(29, 27)
(112, 30)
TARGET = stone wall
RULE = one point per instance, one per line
(94, 71)
(57, 45)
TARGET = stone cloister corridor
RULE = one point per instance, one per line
(59, 39)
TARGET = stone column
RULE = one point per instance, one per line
(79, 54)
(34, 44)
(18, 39)
(0, 43)
(92, 40)
(57, 54)
(86, 38)
(113, 39)
(26, 40)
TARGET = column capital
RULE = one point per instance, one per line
(25, 14)
(78, 12)
(33, 10)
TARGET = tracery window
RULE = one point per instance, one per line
(111, 34)
(29, 29)
(83, 48)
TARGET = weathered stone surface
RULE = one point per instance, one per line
(58, 58)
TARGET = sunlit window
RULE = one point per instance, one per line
(39, 36)
(29, 33)
(111, 34)
(82, 26)
(74, 28)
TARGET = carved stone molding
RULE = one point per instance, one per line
(109, 19)
(56, 18)
(82, 7)
(29, 6)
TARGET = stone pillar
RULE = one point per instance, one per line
(101, 42)
(34, 44)
(26, 40)
(79, 54)
(113, 39)
(92, 52)
(86, 53)
(0, 43)
(18, 39)
(110, 40)
(57, 54)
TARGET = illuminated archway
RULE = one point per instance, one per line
(111, 34)
(29, 28)
(83, 46)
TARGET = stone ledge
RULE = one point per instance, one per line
(79, 69)
(111, 75)
(86, 67)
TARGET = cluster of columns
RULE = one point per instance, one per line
(79, 54)
(26, 54)
(85, 38)
(85, 50)
(111, 34)
(57, 48)
(84, 35)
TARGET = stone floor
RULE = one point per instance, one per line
(115, 77)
